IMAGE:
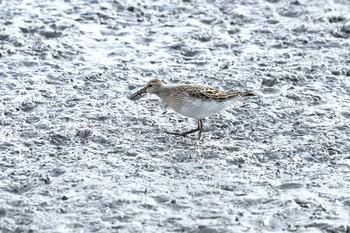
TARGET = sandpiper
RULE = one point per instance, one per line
(195, 101)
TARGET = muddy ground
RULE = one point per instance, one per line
(76, 155)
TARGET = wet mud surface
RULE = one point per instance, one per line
(76, 155)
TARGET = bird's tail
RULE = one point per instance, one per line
(242, 96)
(235, 95)
(247, 94)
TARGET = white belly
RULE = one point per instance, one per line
(200, 109)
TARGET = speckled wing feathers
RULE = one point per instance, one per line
(208, 93)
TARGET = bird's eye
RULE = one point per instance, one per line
(149, 85)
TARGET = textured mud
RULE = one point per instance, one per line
(77, 156)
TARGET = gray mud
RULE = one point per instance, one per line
(77, 156)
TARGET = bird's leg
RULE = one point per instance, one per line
(199, 128)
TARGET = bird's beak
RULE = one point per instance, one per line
(137, 95)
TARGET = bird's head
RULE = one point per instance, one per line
(153, 87)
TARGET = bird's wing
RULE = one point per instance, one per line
(208, 93)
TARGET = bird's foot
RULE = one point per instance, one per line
(183, 134)
(176, 133)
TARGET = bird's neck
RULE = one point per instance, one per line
(162, 92)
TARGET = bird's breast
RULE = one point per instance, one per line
(199, 109)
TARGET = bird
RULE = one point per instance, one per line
(191, 100)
